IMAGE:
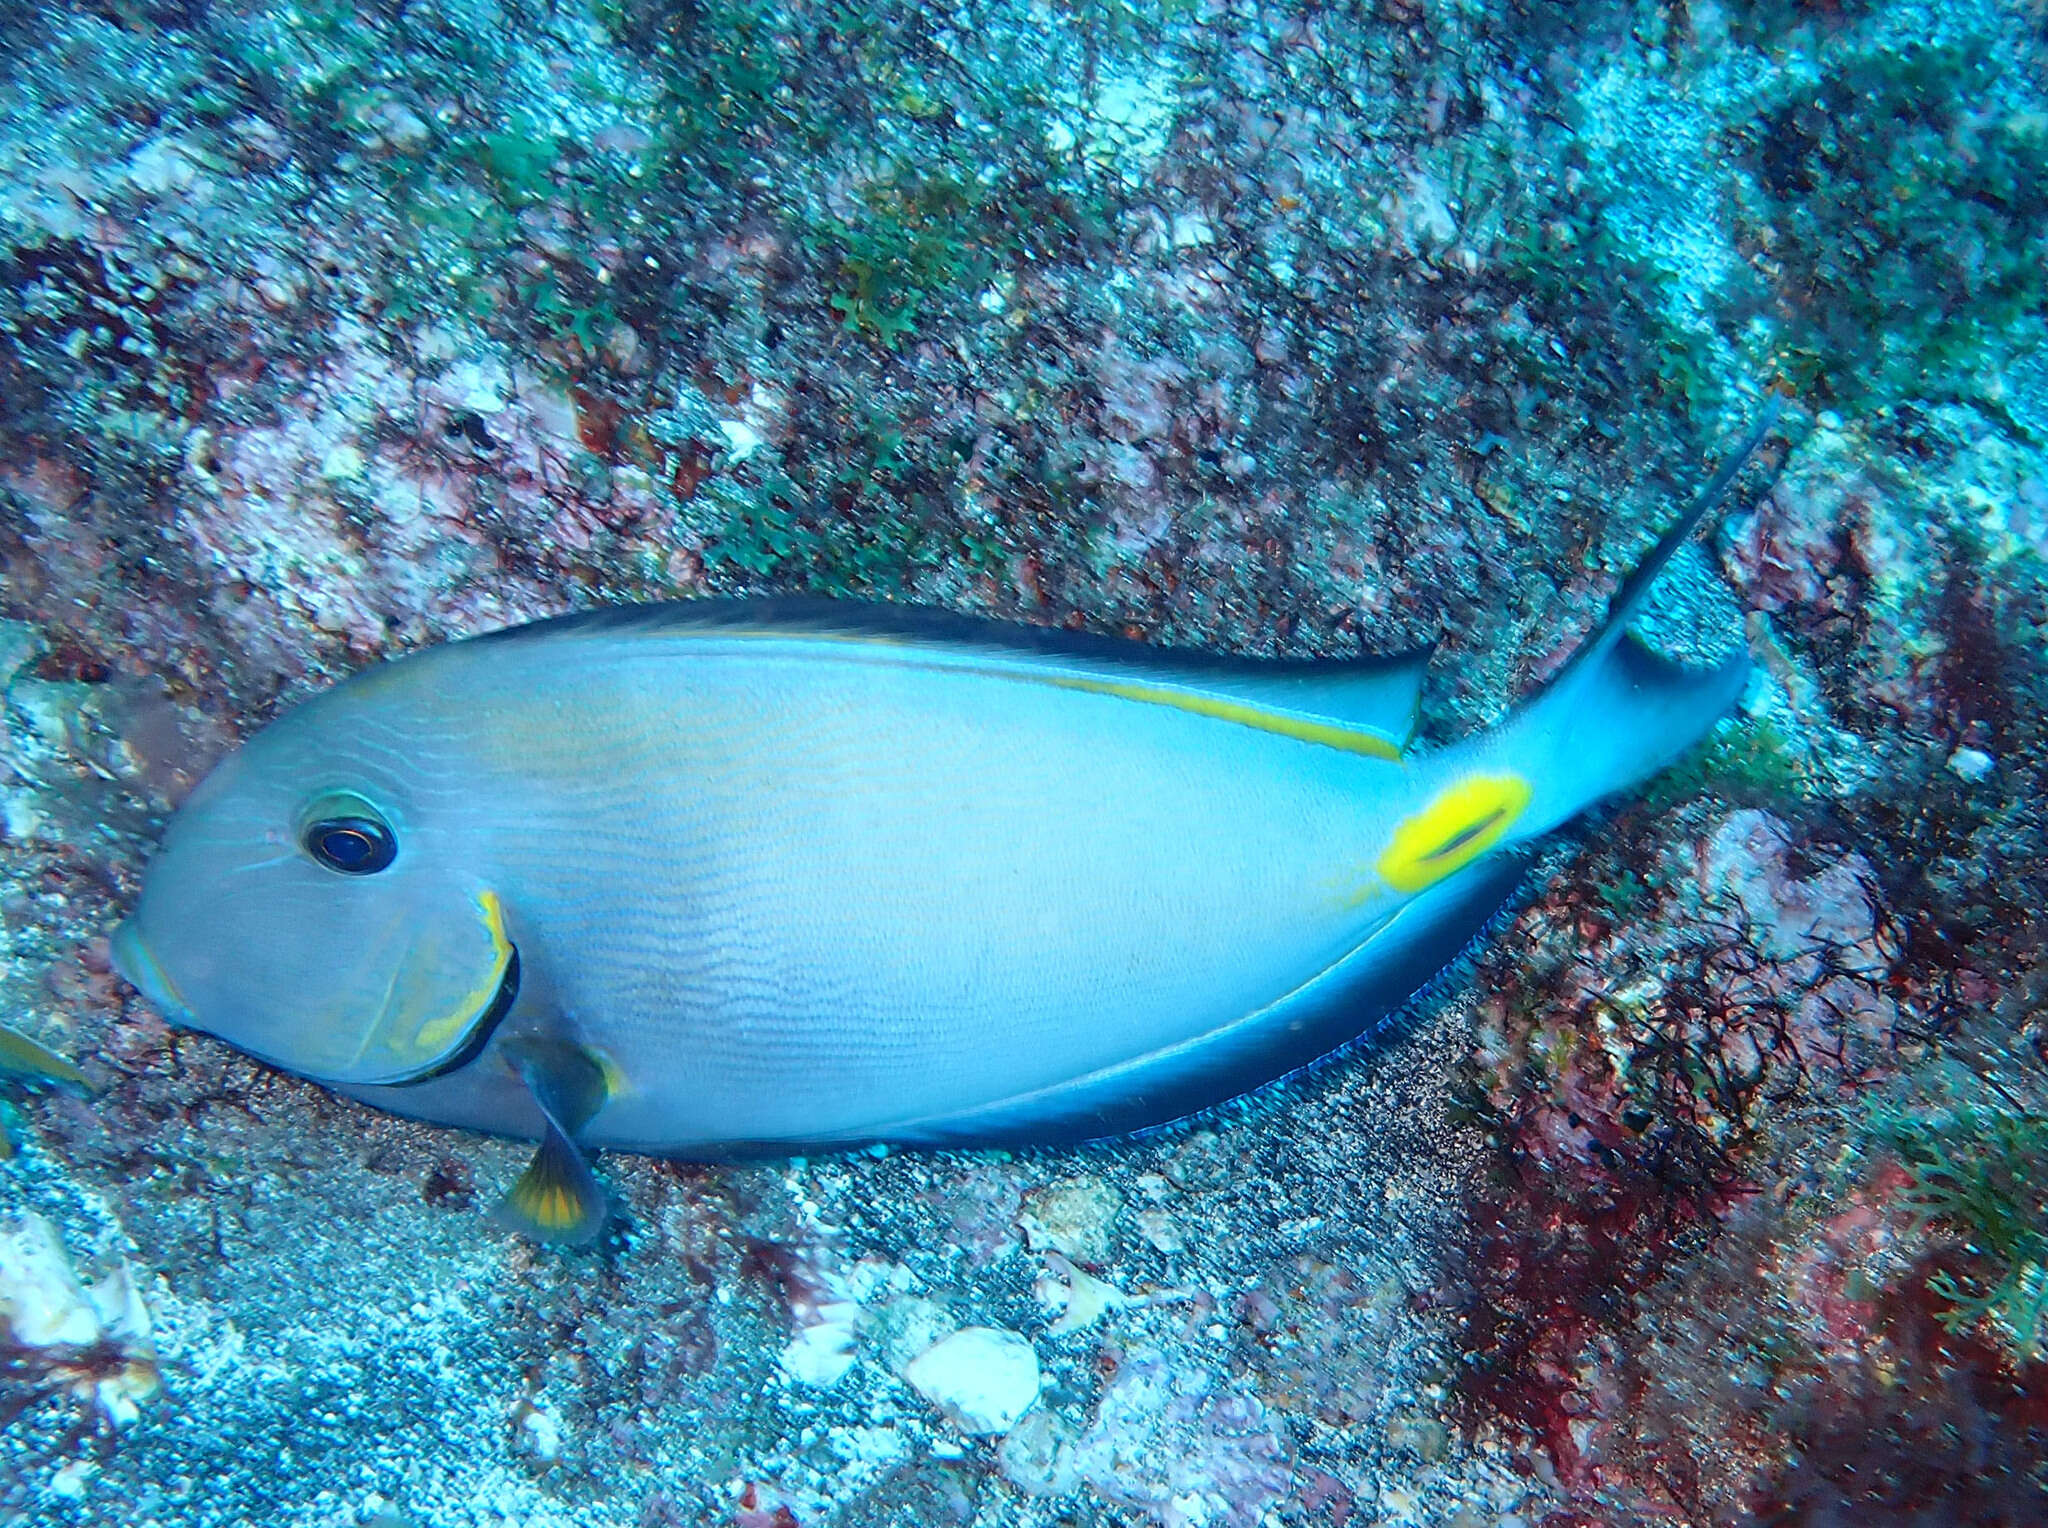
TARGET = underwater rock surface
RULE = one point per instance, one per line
(1710, 1192)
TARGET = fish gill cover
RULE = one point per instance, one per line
(334, 330)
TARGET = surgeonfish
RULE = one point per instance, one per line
(715, 878)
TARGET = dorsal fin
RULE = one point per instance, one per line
(1366, 705)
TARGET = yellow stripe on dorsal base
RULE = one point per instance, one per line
(1306, 729)
(1460, 823)
(1030, 668)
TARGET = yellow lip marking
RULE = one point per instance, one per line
(436, 1035)
(1460, 823)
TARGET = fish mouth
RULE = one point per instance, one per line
(140, 970)
(480, 1032)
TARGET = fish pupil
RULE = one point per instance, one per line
(352, 845)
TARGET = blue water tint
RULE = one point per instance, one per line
(1707, 1191)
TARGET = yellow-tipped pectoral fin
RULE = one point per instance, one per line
(1457, 825)
(557, 1199)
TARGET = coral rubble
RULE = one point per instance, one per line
(1710, 1195)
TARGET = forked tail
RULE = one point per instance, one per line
(1617, 713)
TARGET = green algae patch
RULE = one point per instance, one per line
(1980, 1174)
(1750, 763)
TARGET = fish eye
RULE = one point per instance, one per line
(347, 835)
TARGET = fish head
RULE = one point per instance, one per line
(316, 902)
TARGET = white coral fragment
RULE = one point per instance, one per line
(822, 1351)
(1079, 1297)
(94, 1338)
(982, 1378)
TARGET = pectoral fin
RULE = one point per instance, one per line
(558, 1198)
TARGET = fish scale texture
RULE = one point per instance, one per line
(1704, 1190)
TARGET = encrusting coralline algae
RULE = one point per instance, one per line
(1709, 1197)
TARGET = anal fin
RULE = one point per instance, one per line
(1353, 1000)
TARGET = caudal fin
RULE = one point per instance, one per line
(1618, 712)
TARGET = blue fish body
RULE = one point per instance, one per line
(779, 876)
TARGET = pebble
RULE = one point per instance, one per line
(71, 1479)
(1040, 1457)
(820, 1354)
(1161, 1232)
(742, 440)
(1071, 1216)
(1971, 764)
(907, 1326)
(1425, 1435)
(343, 463)
(397, 127)
(161, 167)
(540, 1436)
(981, 1378)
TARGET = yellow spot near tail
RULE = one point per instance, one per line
(1460, 823)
